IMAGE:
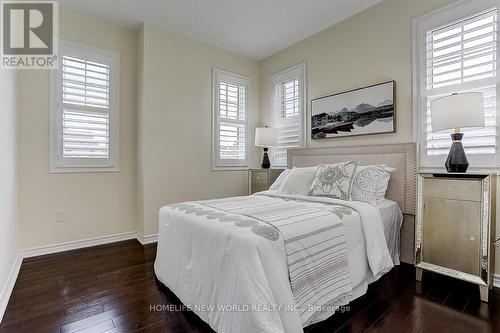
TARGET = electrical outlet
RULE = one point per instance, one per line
(60, 216)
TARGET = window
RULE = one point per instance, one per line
(289, 106)
(457, 52)
(84, 110)
(230, 132)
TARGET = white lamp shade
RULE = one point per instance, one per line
(457, 111)
(265, 137)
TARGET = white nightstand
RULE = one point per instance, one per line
(261, 179)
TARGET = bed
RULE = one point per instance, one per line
(244, 264)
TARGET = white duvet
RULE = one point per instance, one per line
(237, 281)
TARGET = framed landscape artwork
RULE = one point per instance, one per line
(368, 110)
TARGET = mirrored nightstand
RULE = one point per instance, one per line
(454, 229)
(261, 179)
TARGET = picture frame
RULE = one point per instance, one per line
(362, 111)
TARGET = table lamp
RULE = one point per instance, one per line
(265, 137)
(457, 111)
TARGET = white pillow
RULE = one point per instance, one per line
(371, 183)
(277, 183)
(298, 181)
(388, 168)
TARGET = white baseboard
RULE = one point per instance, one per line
(79, 244)
(147, 239)
(9, 284)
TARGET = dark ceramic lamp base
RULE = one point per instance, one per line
(457, 161)
(265, 160)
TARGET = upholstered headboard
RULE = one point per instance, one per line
(402, 156)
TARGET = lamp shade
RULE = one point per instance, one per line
(457, 111)
(265, 137)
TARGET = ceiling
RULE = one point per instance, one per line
(254, 28)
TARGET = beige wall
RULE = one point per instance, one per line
(373, 46)
(175, 116)
(97, 204)
(168, 77)
(8, 227)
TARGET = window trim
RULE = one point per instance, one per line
(56, 164)
(420, 26)
(217, 163)
(299, 71)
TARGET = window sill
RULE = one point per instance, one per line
(55, 170)
(230, 168)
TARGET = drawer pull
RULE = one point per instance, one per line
(472, 238)
(451, 189)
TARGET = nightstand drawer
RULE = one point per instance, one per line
(453, 189)
(259, 177)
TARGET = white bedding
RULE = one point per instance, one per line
(237, 281)
(392, 216)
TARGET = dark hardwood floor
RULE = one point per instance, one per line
(111, 288)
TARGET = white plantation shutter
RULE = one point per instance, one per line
(287, 119)
(230, 119)
(85, 110)
(456, 51)
(289, 105)
(85, 133)
(462, 57)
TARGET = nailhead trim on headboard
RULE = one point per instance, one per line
(408, 151)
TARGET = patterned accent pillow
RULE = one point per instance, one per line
(370, 183)
(334, 180)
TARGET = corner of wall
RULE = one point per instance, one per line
(9, 259)
(140, 78)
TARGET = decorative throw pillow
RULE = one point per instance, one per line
(385, 166)
(334, 180)
(370, 183)
(298, 181)
(277, 183)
